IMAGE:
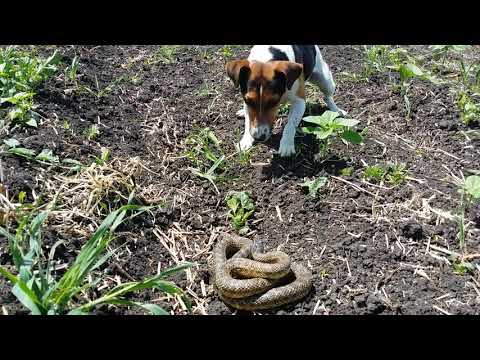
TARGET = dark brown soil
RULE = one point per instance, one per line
(370, 253)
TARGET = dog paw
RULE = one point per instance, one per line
(287, 148)
(241, 113)
(245, 144)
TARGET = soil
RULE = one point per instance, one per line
(370, 252)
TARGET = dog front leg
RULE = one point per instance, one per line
(247, 140)
(287, 143)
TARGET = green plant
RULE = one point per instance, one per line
(375, 173)
(165, 54)
(347, 171)
(206, 155)
(227, 51)
(331, 124)
(100, 92)
(469, 109)
(314, 185)
(241, 208)
(393, 174)
(441, 51)
(91, 132)
(469, 193)
(205, 91)
(45, 157)
(396, 174)
(104, 157)
(21, 72)
(71, 71)
(38, 287)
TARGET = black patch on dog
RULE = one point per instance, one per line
(278, 55)
(306, 55)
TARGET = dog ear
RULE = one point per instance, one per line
(291, 70)
(238, 71)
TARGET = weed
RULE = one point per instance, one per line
(241, 208)
(314, 185)
(394, 174)
(375, 173)
(331, 124)
(348, 171)
(227, 51)
(469, 109)
(101, 92)
(91, 132)
(206, 155)
(205, 91)
(469, 194)
(21, 73)
(45, 157)
(104, 157)
(165, 55)
(441, 51)
(38, 287)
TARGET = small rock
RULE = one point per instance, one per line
(447, 125)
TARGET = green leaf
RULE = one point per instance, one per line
(472, 186)
(32, 122)
(11, 143)
(347, 122)
(47, 156)
(26, 153)
(22, 292)
(315, 185)
(352, 136)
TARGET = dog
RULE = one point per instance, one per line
(272, 75)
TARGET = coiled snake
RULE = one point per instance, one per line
(248, 279)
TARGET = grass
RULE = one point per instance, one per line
(40, 288)
(99, 91)
(21, 72)
(241, 209)
(206, 155)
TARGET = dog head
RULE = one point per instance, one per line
(263, 86)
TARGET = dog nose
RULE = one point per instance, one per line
(261, 137)
(261, 133)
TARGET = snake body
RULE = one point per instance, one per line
(248, 279)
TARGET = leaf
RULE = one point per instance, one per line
(315, 185)
(47, 156)
(11, 143)
(347, 122)
(326, 118)
(323, 134)
(472, 186)
(22, 292)
(32, 122)
(352, 136)
(26, 153)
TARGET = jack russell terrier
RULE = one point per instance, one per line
(272, 75)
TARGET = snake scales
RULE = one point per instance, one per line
(246, 278)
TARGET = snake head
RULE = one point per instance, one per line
(258, 246)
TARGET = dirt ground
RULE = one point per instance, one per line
(372, 249)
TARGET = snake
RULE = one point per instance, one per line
(247, 278)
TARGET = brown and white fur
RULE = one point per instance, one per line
(272, 75)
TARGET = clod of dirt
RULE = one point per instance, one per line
(447, 125)
(412, 230)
